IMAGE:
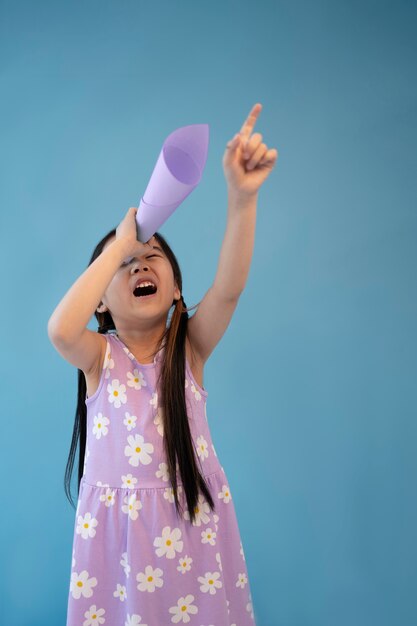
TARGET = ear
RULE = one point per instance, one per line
(101, 308)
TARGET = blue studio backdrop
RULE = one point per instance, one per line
(312, 388)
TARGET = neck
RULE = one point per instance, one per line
(143, 345)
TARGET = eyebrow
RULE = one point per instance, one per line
(153, 248)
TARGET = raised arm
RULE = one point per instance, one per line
(237, 247)
(75, 310)
(77, 307)
(67, 326)
(247, 162)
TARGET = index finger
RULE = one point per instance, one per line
(250, 121)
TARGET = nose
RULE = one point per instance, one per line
(136, 268)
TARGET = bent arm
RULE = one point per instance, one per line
(71, 316)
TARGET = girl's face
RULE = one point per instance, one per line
(127, 309)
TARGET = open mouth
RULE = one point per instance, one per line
(145, 292)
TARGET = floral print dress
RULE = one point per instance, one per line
(136, 561)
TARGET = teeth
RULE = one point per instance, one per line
(145, 283)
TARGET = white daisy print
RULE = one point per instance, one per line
(116, 391)
(219, 561)
(94, 616)
(249, 606)
(108, 497)
(136, 379)
(201, 511)
(225, 494)
(134, 620)
(157, 420)
(100, 426)
(162, 472)
(183, 610)
(129, 481)
(202, 447)
(126, 350)
(108, 362)
(86, 455)
(197, 394)
(86, 526)
(168, 543)
(124, 562)
(82, 585)
(208, 536)
(132, 505)
(129, 420)
(150, 579)
(154, 399)
(241, 580)
(138, 450)
(169, 493)
(100, 484)
(120, 592)
(209, 582)
(184, 564)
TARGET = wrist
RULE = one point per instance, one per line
(121, 248)
(241, 199)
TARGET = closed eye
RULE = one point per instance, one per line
(148, 257)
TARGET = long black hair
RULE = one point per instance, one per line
(178, 443)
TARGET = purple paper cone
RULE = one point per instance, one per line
(177, 172)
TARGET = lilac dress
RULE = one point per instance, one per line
(135, 561)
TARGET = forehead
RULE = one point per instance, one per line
(152, 242)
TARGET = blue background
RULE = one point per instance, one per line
(312, 390)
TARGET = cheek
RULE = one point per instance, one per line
(118, 290)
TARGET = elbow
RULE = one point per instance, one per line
(53, 331)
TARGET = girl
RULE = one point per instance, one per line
(156, 540)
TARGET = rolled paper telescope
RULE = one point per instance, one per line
(177, 172)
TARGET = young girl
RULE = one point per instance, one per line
(156, 540)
